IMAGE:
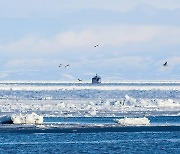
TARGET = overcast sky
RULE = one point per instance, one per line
(135, 38)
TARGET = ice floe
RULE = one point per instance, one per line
(5, 120)
(27, 119)
(22, 119)
(133, 121)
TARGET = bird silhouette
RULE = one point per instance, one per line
(66, 65)
(165, 64)
(79, 80)
(60, 65)
(96, 45)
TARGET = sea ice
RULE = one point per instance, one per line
(108, 99)
(27, 119)
(5, 119)
(22, 119)
(133, 121)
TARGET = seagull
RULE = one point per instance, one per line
(79, 80)
(165, 64)
(60, 65)
(96, 45)
(67, 65)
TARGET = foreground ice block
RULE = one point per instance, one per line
(27, 119)
(22, 119)
(5, 120)
(133, 121)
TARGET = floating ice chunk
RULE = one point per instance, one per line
(166, 103)
(27, 119)
(5, 120)
(129, 101)
(47, 98)
(92, 112)
(133, 121)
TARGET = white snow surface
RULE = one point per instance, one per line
(133, 121)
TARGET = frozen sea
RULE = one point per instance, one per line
(81, 117)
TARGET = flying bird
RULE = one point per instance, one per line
(165, 64)
(79, 80)
(96, 45)
(67, 65)
(60, 65)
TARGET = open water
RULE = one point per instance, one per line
(126, 140)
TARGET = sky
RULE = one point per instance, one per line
(134, 37)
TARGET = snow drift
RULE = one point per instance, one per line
(133, 121)
(22, 119)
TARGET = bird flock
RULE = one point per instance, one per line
(95, 46)
(66, 66)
